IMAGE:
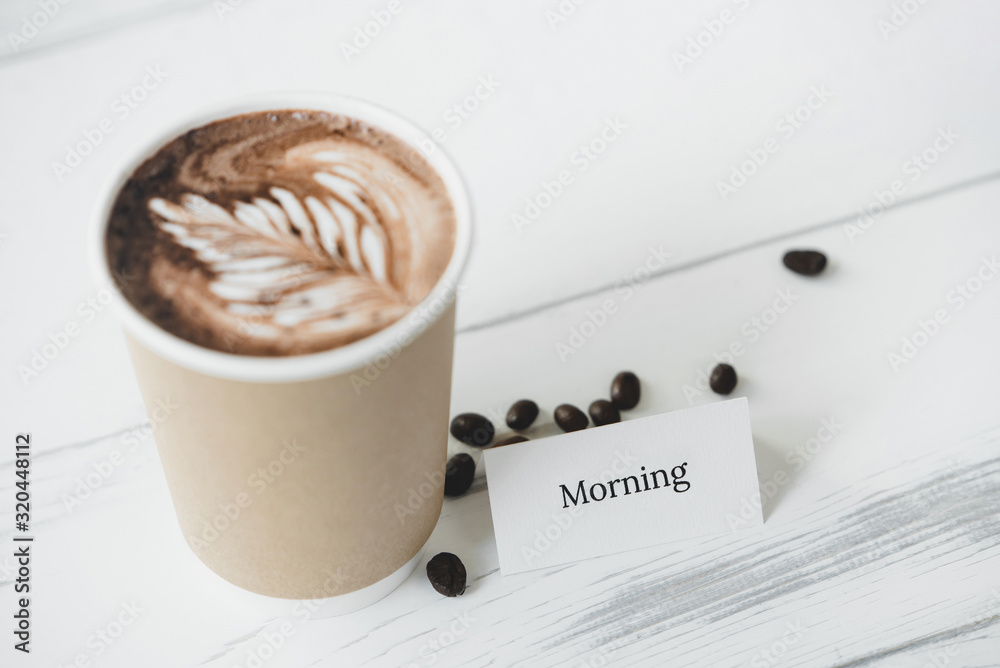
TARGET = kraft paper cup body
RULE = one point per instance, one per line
(310, 476)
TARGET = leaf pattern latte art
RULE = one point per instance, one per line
(281, 232)
(319, 262)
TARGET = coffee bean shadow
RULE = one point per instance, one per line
(543, 427)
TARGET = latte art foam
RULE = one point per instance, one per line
(280, 233)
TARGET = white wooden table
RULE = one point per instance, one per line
(881, 545)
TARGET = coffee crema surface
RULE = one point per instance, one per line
(280, 233)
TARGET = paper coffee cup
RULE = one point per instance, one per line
(309, 476)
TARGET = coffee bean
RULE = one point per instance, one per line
(723, 379)
(805, 262)
(447, 574)
(458, 474)
(472, 429)
(570, 418)
(516, 438)
(603, 412)
(522, 414)
(625, 390)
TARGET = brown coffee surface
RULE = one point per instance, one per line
(280, 233)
